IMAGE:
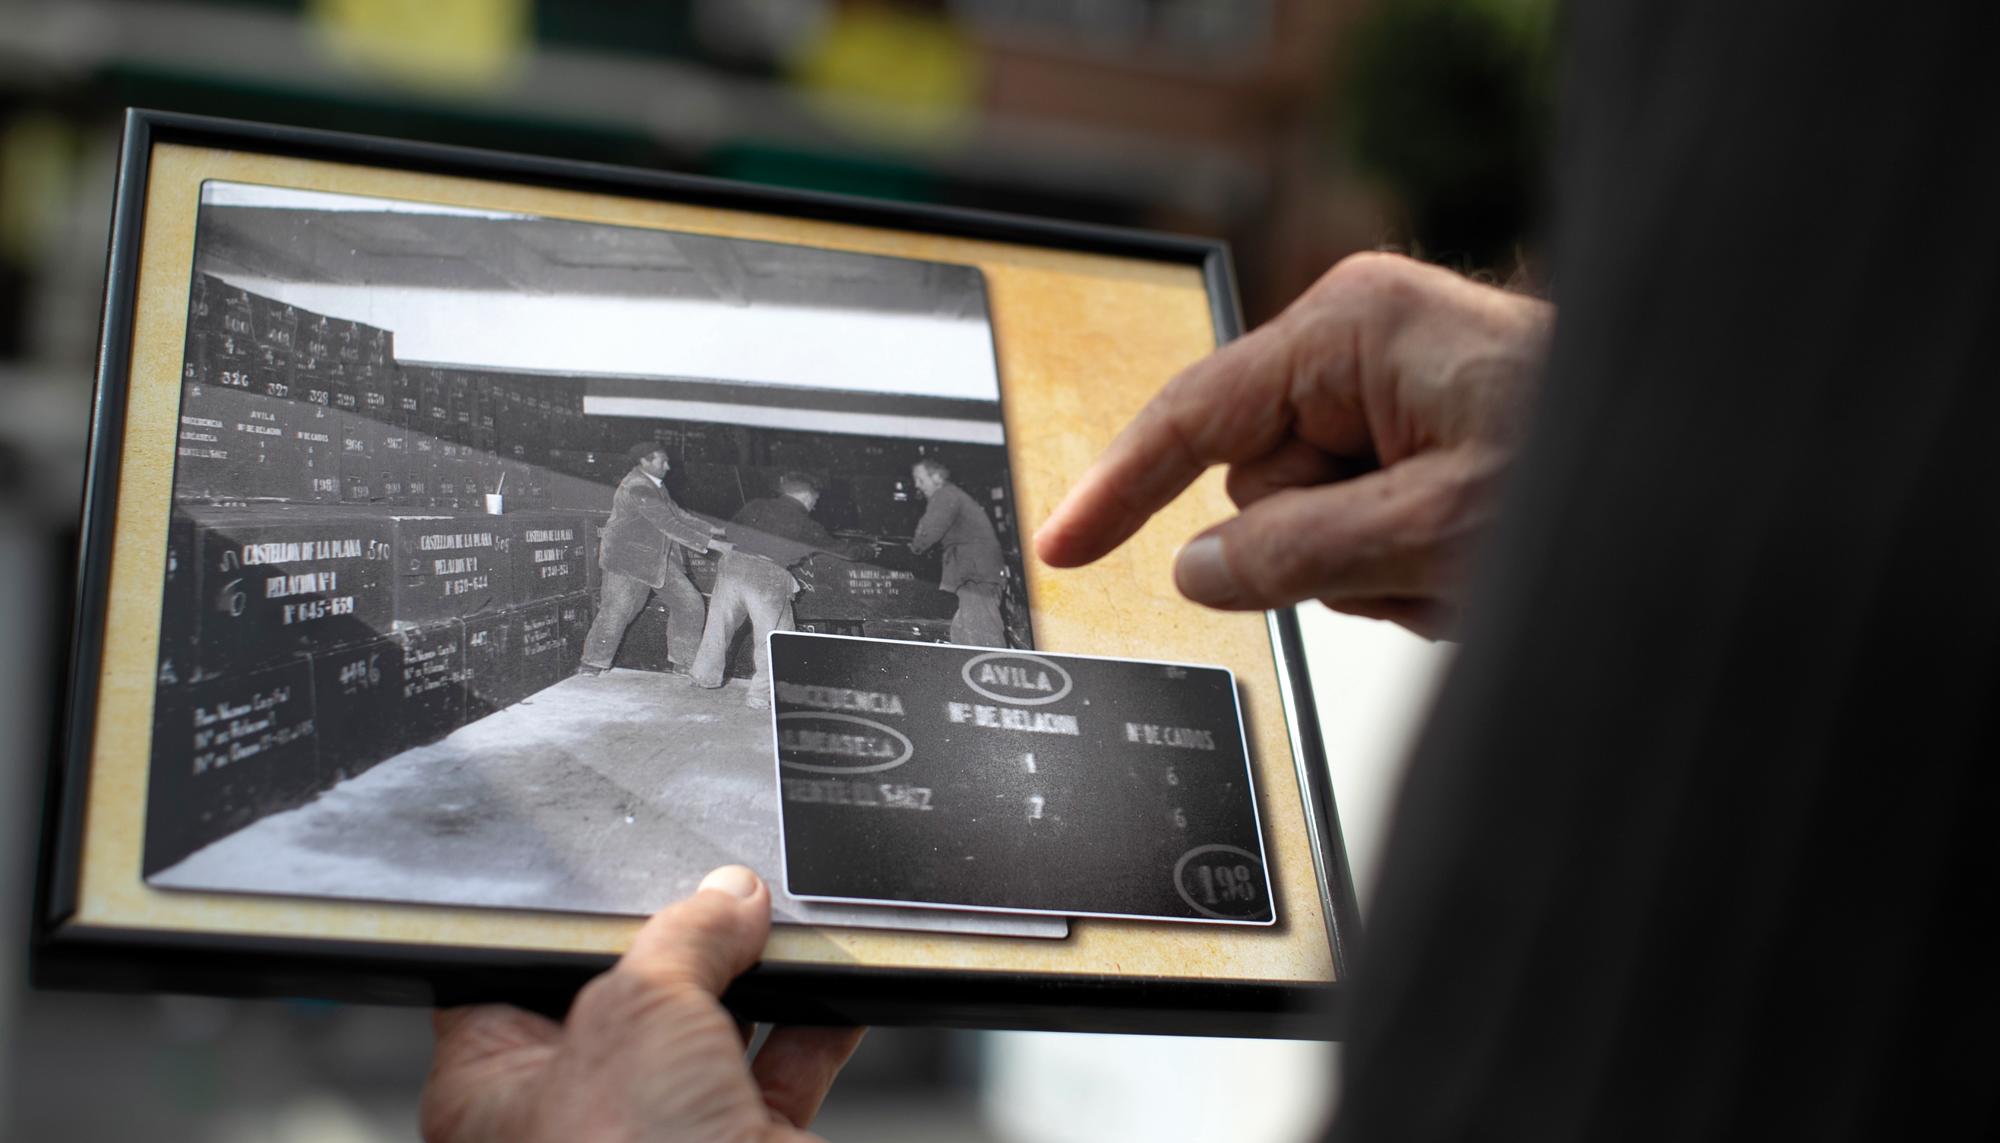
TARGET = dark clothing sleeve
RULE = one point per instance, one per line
(971, 547)
(681, 526)
(939, 512)
(782, 516)
(1695, 845)
(641, 536)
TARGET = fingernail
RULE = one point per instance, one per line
(734, 880)
(1202, 572)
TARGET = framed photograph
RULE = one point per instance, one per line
(480, 548)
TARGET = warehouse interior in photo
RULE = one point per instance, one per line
(400, 431)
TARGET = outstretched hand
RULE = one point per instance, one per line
(647, 1052)
(1364, 429)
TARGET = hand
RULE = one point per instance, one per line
(717, 530)
(647, 1051)
(1364, 429)
(721, 546)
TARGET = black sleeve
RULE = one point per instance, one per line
(846, 549)
(1695, 844)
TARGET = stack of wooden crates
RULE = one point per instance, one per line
(336, 590)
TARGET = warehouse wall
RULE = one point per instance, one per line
(335, 591)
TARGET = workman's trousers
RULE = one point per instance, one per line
(752, 586)
(977, 621)
(619, 602)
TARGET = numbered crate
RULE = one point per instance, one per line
(525, 485)
(420, 468)
(204, 304)
(316, 376)
(374, 389)
(378, 346)
(194, 357)
(514, 654)
(433, 403)
(309, 386)
(545, 658)
(447, 476)
(358, 693)
(219, 359)
(271, 371)
(231, 311)
(480, 474)
(313, 383)
(550, 551)
(493, 676)
(348, 342)
(277, 583)
(314, 356)
(227, 752)
(595, 548)
(433, 681)
(405, 393)
(361, 463)
(315, 433)
(463, 403)
(235, 445)
(571, 429)
(451, 566)
(488, 409)
(393, 462)
(273, 323)
(180, 604)
(204, 447)
(575, 614)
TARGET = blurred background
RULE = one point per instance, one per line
(1298, 130)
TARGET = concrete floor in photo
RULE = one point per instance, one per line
(606, 794)
(612, 793)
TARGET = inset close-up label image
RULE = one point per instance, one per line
(935, 775)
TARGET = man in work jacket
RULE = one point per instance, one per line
(639, 551)
(972, 561)
(758, 584)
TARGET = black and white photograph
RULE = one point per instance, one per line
(481, 522)
(918, 774)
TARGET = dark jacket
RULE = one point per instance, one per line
(1699, 838)
(788, 519)
(971, 549)
(645, 525)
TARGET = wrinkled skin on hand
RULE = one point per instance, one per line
(1364, 429)
(647, 1051)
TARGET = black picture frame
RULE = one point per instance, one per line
(66, 953)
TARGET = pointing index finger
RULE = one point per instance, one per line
(1230, 406)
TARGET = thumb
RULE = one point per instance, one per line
(708, 939)
(648, 1050)
(1399, 532)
